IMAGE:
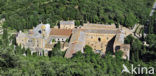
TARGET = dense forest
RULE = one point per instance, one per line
(24, 14)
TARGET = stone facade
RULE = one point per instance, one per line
(41, 38)
(60, 34)
(99, 42)
(100, 37)
(35, 39)
(67, 24)
(125, 48)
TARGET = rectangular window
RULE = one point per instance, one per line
(98, 51)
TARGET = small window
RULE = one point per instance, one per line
(117, 48)
(107, 38)
(99, 39)
(40, 31)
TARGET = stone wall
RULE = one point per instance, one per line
(98, 41)
(67, 24)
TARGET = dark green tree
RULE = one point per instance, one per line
(56, 51)
(5, 37)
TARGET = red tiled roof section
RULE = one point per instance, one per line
(70, 51)
(61, 32)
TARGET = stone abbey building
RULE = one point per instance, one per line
(100, 37)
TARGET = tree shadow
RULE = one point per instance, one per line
(109, 47)
(148, 57)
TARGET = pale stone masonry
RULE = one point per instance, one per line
(100, 37)
(67, 24)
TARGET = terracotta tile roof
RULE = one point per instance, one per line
(60, 32)
(77, 43)
(70, 51)
(98, 26)
(101, 31)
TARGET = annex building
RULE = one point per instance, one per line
(100, 37)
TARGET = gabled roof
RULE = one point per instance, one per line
(67, 23)
(98, 26)
(76, 44)
(101, 31)
(60, 32)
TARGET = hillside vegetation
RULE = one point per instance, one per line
(22, 14)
